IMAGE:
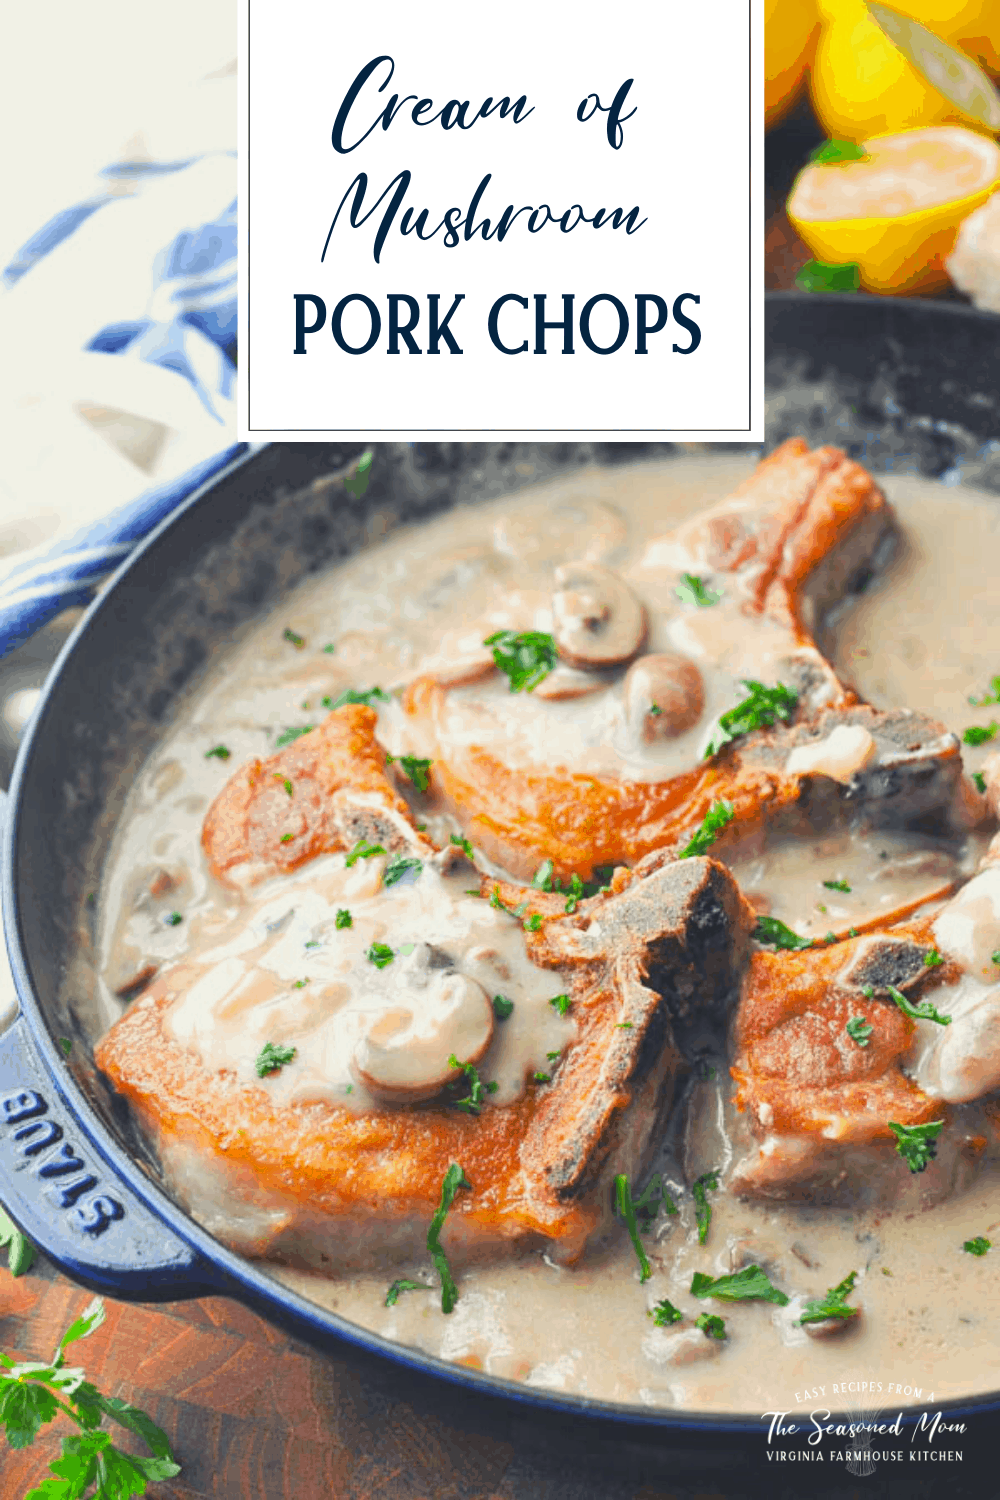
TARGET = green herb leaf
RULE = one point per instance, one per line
(220, 752)
(980, 781)
(917, 1144)
(703, 1209)
(977, 734)
(402, 1285)
(832, 1304)
(978, 1246)
(653, 1197)
(416, 771)
(287, 736)
(20, 1251)
(173, 919)
(286, 838)
(836, 150)
(759, 710)
(933, 959)
(655, 710)
(398, 866)
(625, 1206)
(692, 590)
(859, 1030)
(473, 1101)
(821, 276)
(925, 1011)
(749, 1285)
(836, 885)
(454, 1179)
(357, 482)
(542, 1077)
(665, 1313)
(525, 657)
(293, 638)
(380, 954)
(343, 919)
(774, 933)
(271, 1057)
(542, 879)
(66, 1045)
(329, 648)
(715, 820)
(465, 846)
(992, 696)
(362, 850)
(285, 782)
(502, 1007)
(353, 695)
(561, 1003)
(711, 1325)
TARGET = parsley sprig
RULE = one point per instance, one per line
(715, 820)
(272, 1057)
(776, 935)
(981, 734)
(711, 1325)
(991, 696)
(357, 695)
(414, 769)
(832, 1304)
(692, 590)
(453, 1179)
(626, 1207)
(859, 1030)
(708, 1181)
(288, 736)
(33, 1393)
(758, 710)
(362, 850)
(925, 1011)
(917, 1144)
(752, 1284)
(575, 890)
(836, 885)
(473, 1101)
(665, 1313)
(398, 866)
(526, 658)
(978, 1246)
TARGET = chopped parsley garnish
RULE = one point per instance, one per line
(286, 838)
(980, 734)
(66, 1045)
(402, 1285)
(978, 1246)
(561, 1003)
(220, 752)
(749, 1285)
(665, 1313)
(832, 1304)
(933, 959)
(836, 885)
(715, 820)
(533, 923)
(925, 1011)
(453, 1179)
(655, 710)
(993, 696)
(329, 648)
(995, 957)
(287, 736)
(271, 1057)
(530, 924)
(653, 1197)
(414, 769)
(769, 930)
(502, 1007)
(380, 954)
(473, 1101)
(293, 638)
(464, 845)
(343, 919)
(553, 1055)
(354, 695)
(980, 781)
(837, 150)
(300, 984)
(859, 1030)
(831, 937)
(285, 782)
(362, 850)
(757, 711)
(703, 1209)
(711, 1325)
(625, 1206)
(917, 1144)
(173, 919)
(829, 276)
(356, 483)
(576, 890)
(398, 866)
(542, 1077)
(20, 1251)
(692, 590)
(525, 658)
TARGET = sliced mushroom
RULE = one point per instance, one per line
(597, 620)
(403, 1057)
(567, 682)
(664, 696)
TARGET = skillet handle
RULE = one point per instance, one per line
(70, 1202)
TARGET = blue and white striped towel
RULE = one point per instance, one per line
(187, 327)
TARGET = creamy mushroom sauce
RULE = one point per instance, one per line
(921, 636)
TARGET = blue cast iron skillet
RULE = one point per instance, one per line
(913, 386)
